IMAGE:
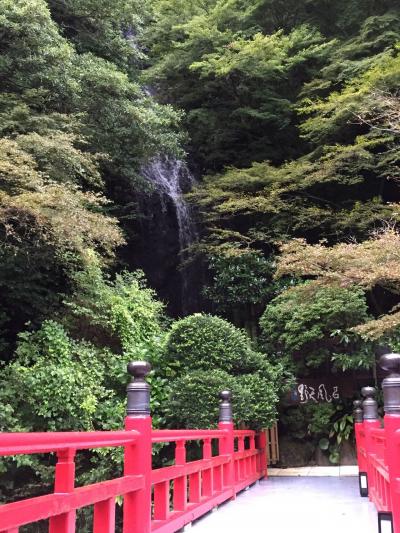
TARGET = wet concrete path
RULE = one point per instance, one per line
(295, 505)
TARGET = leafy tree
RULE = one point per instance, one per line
(107, 30)
(46, 231)
(309, 323)
(76, 127)
(123, 313)
(371, 264)
(240, 284)
(239, 277)
(236, 110)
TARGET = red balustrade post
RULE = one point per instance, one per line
(359, 434)
(104, 516)
(391, 393)
(371, 421)
(137, 505)
(207, 485)
(227, 443)
(64, 483)
(263, 456)
(180, 483)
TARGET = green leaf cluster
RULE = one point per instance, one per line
(307, 323)
(206, 354)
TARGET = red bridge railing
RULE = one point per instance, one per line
(163, 499)
(378, 448)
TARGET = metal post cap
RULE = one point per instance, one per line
(368, 392)
(358, 412)
(370, 406)
(138, 389)
(225, 406)
(139, 369)
(391, 384)
(226, 395)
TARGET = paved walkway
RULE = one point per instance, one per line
(315, 471)
(295, 505)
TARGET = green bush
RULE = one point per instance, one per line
(194, 399)
(205, 354)
(124, 313)
(325, 426)
(207, 342)
(55, 383)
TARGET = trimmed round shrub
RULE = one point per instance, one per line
(208, 342)
(194, 399)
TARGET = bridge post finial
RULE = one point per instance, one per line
(358, 412)
(225, 406)
(369, 405)
(138, 389)
(391, 384)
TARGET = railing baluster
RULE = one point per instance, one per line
(194, 487)
(218, 470)
(161, 500)
(252, 461)
(242, 463)
(207, 481)
(180, 483)
(104, 516)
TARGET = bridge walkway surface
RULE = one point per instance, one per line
(295, 505)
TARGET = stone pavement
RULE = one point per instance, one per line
(315, 471)
(295, 505)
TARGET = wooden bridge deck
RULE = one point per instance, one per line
(295, 505)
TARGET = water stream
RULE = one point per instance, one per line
(171, 178)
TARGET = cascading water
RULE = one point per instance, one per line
(171, 178)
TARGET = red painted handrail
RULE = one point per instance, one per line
(378, 455)
(149, 502)
(176, 435)
(29, 443)
(378, 448)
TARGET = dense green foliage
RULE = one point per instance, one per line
(208, 354)
(193, 398)
(372, 265)
(309, 324)
(324, 427)
(293, 116)
(288, 114)
(74, 124)
(206, 342)
(71, 374)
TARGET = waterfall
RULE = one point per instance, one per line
(171, 178)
